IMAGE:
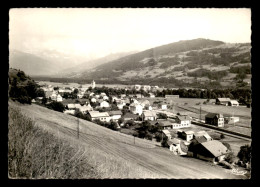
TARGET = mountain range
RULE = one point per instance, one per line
(187, 61)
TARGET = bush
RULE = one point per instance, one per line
(164, 142)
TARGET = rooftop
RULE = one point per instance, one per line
(215, 147)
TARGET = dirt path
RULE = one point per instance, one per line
(145, 153)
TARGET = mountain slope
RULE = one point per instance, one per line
(31, 64)
(78, 69)
(147, 58)
(190, 62)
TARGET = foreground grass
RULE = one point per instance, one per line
(37, 153)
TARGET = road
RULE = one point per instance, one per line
(143, 152)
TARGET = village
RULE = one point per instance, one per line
(137, 115)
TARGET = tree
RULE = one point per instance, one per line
(164, 142)
(57, 106)
(162, 116)
(245, 153)
(40, 93)
(76, 91)
(44, 100)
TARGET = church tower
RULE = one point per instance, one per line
(93, 84)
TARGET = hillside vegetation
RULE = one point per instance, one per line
(195, 63)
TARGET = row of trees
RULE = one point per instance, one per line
(242, 95)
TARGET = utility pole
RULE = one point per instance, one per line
(78, 128)
(200, 113)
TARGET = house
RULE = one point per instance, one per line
(146, 102)
(137, 87)
(104, 104)
(231, 120)
(48, 94)
(172, 96)
(214, 119)
(233, 103)
(149, 115)
(177, 146)
(91, 94)
(33, 101)
(53, 96)
(152, 95)
(165, 124)
(93, 100)
(200, 136)
(71, 106)
(146, 88)
(136, 108)
(120, 105)
(222, 101)
(183, 121)
(97, 96)
(85, 108)
(72, 112)
(102, 116)
(59, 98)
(167, 133)
(130, 116)
(213, 151)
(148, 107)
(162, 106)
(105, 98)
(103, 94)
(135, 101)
(187, 135)
(115, 115)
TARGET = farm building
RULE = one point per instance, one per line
(213, 151)
(172, 96)
(231, 120)
(115, 115)
(222, 101)
(214, 119)
(149, 115)
(233, 103)
(136, 108)
(202, 134)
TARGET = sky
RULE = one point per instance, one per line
(98, 32)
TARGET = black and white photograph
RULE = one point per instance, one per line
(129, 93)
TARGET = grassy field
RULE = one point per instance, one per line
(116, 155)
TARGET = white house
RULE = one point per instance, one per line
(97, 96)
(93, 100)
(54, 96)
(85, 108)
(105, 98)
(182, 121)
(136, 108)
(115, 115)
(102, 116)
(149, 115)
(59, 98)
(104, 104)
(233, 103)
(120, 105)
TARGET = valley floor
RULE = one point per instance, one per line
(160, 162)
